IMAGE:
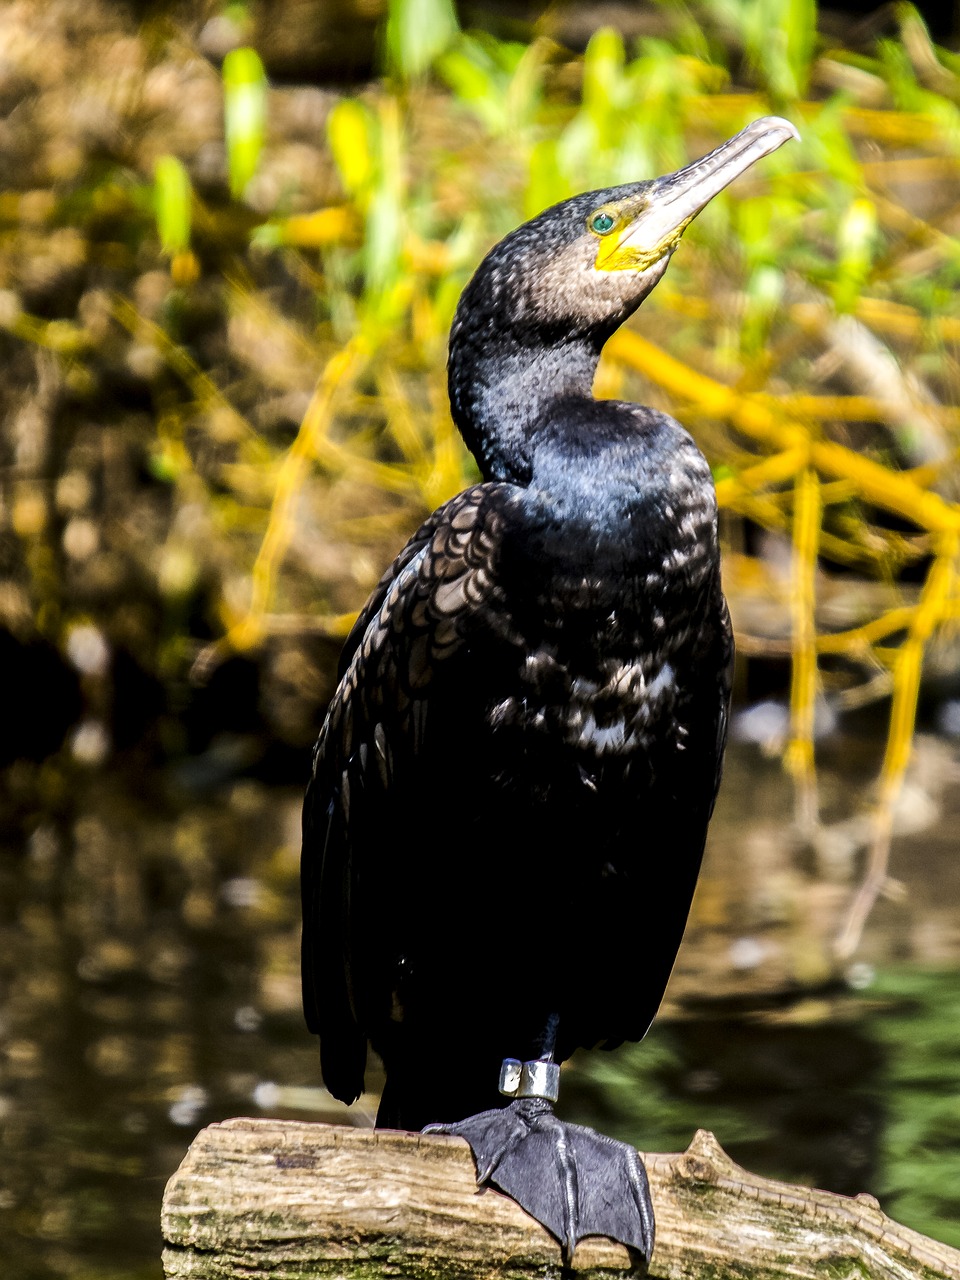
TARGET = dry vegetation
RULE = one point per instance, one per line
(224, 336)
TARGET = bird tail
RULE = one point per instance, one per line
(343, 1059)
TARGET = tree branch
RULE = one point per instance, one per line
(259, 1198)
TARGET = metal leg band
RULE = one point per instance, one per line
(536, 1079)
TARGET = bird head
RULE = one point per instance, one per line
(531, 323)
(590, 261)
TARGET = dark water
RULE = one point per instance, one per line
(148, 986)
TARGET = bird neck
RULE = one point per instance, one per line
(502, 387)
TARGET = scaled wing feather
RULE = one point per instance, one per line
(416, 620)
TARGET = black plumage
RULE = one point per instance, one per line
(512, 787)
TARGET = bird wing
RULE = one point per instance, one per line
(627, 992)
(724, 692)
(418, 617)
(374, 603)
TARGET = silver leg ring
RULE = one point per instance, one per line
(510, 1076)
(537, 1079)
(540, 1080)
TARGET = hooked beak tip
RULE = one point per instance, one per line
(679, 197)
(772, 123)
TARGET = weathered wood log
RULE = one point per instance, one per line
(259, 1198)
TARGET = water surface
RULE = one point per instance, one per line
(148, 986)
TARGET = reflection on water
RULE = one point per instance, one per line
(148, 985)
(804, 1103)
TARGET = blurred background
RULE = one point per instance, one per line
(232, 237)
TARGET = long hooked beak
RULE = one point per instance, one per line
(673, 201)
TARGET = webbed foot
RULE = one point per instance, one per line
(574, 1181)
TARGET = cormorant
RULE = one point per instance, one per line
(512, 786)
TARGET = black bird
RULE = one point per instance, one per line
(513, 782)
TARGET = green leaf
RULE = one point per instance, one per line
(762, 298)
(476, 82)
(245, 115)
(171, 204)
(417, 33)
(351, 132)
(856, 245)
(603, 78)
(546, 182)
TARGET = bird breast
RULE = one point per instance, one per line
(618, 710)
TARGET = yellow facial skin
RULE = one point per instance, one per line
(641, 229)
(621, 248)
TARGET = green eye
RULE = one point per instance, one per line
(602, 222)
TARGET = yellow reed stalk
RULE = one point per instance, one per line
(864, 636)
(244, 299)
(893, 318)
(935, 605)
(774, 470)
(753, 416)
(895, 128)
(892, 490)
(799, 758)
(827, 408)
(902, 169)
(903, 321)
(762, 509)
(310, 441)
(337, 625)
(202, 387)
(913, 228)
(341, 459)
(771, 424)
(341, 371)
(837, 491)
(334, 225)
(447, 475)
(738, 493)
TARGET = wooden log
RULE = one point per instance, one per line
(259, 1198)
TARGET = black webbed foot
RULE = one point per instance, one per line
(574, 1181)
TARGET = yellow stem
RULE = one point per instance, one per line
(876, 629)
(799, 757)
(934, 607)
(340, 371)
(750, 414)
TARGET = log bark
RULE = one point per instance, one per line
(259, 1198)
